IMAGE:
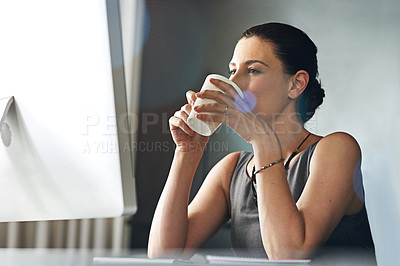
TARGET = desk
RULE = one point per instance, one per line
(46, 257)
(78, 257)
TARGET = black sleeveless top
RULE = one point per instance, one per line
(352, 230)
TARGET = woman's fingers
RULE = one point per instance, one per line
(244, 104)
(225, 87)
(212, 108)
(187, 108)
(179, 121)
(180, 117)
(191, 97)
(182, 114)
(241, 104)
(220, 97)
(212, 118)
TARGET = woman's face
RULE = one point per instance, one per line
(255, 69)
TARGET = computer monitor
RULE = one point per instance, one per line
(65, 135)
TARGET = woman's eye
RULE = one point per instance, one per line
(253, 71)
(232, 72)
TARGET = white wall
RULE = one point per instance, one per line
(359, 60)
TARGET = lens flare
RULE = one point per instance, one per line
(247, 103)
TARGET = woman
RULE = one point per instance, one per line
(295, 192)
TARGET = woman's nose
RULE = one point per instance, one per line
(238, 81)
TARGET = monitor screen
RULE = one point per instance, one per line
(65, 134)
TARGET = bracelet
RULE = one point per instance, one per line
(254, 172)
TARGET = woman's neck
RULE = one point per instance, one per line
(290, 132)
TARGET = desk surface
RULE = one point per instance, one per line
(76, 257)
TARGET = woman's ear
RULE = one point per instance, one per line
(299, 84)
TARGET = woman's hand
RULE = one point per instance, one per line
(232, 110)
(185, 138)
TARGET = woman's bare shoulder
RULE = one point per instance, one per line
(226, 166)
(337, 150)
(339, 142)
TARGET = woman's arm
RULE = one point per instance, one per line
(179, 229)
(290, 230)
(170, 221)
(210, 209)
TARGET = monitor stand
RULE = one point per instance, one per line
(5, 132)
